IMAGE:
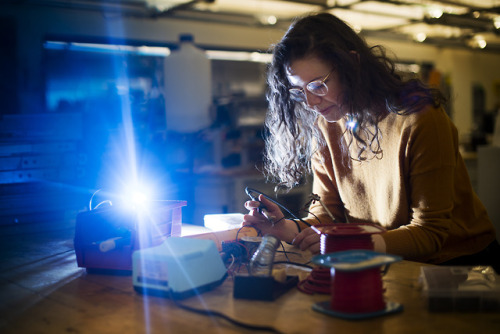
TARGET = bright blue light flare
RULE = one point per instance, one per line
(137, 196)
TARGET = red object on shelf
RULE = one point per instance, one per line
(105, 238)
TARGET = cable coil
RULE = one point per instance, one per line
(336, 238)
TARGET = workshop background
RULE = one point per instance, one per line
(95, 97)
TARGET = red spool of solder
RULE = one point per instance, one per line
(356, 284)
(357, 292)
(340, 237)
(337, 237)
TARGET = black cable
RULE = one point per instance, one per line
(225, 317)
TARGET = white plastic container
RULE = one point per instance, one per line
(461, 288)
(188, 88)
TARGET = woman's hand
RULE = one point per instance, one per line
(273, 222)
(309, 240)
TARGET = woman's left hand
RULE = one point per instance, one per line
(309, 240)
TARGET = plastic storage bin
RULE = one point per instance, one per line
(459, 288)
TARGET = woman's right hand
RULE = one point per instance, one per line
(275, 222)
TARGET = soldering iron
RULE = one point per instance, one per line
(262, 209)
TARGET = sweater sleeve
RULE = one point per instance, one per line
(430, 160)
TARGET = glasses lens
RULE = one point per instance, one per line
(318, 88)
(297, 94)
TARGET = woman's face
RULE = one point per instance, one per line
(311, 68)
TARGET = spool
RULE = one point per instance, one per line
(341, 237)
(356, 284)
(336, 238)
(357, 292)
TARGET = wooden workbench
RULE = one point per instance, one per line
(43, 291)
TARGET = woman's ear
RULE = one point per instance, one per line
(354, 55)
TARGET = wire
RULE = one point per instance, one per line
(100, 203)
(209, 312)
(315, 198)
(318, 281)
(298, 264)
(233, 260)
(284, 251)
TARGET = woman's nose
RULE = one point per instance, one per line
(312, 99)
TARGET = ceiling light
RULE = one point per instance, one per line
(407, 68)
(239, 56)
(342, 2)
(450, 7)
(163, 5)
(268, 19)
(477, 41)
(496, 22)
(259, 7)
(388, 9)
(368, 21)
(420, 37)
(432, 31)
(481, 42)
(435, 12)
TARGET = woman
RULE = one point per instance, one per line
(381, 150)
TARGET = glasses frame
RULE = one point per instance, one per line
(294, 92)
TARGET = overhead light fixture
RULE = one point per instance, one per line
(388, 9)
(108, 48)
(420, 37)
(496, 22)
(268, 19)
(239, 56)
(369, 21)
(285, 9)
(435, 12)
(457, 7)
(163, 5)
(156, 51)
(432, 31)
(478, 41)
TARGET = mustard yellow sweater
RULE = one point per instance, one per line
(418, 188)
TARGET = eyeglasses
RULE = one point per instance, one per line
(317, 87)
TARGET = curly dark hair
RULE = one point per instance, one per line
(371, 89)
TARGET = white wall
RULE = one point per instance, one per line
(464, 67)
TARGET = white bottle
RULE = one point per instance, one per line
(188, 87)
